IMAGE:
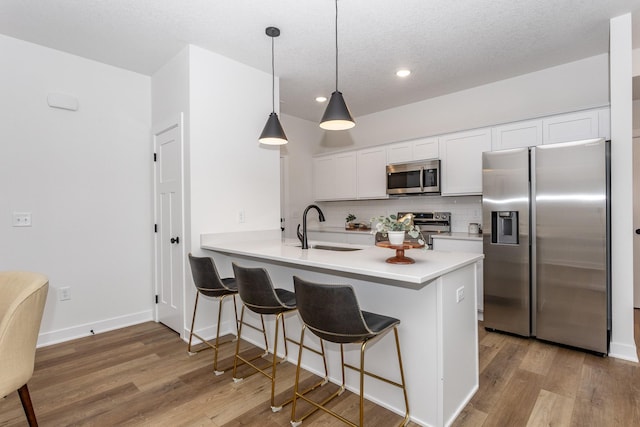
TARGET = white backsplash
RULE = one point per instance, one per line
(464, 209)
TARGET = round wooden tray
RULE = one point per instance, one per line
(400, 258)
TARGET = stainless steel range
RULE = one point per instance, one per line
(431, 223)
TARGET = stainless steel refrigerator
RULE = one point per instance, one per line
(546, 242)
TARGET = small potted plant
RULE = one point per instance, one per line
(349, 221)
(395, 228)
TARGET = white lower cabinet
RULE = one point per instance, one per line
(471, 246)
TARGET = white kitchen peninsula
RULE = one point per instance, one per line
(434, 298)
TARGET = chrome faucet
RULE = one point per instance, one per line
(303, 237)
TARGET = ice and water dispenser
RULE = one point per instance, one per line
(504, 227)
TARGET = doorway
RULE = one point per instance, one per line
(169, 257)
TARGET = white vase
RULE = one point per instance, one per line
(396, 237)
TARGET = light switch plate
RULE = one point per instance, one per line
(22, 219)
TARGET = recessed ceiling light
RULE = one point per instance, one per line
(321, 98)
(403, 73)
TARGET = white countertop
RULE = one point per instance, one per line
(368, 262)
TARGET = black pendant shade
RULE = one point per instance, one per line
(273, 134)
(337, 115)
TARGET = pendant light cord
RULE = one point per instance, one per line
(273, 80)
(336, 45)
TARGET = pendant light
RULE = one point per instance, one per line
(337, 115)
(273, 134)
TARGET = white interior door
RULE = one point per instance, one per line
(169, 242)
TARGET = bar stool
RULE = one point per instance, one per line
(332, 313)
(208, 283)
(259, 295)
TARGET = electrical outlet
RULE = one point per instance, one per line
(241, 216)
(22, 219)
(64, 294)
(460, 294)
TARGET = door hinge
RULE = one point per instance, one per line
(155, 228)
(155, 157)
(156, 299)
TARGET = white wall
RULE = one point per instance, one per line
(85, 177)
(622, 339)
(225, 105)
(230, 170)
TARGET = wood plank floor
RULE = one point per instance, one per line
(142, 376)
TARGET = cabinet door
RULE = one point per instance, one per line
(344, 172)
(323, 178)
(399, 153)
(461, 161)
(372, 178)
(571, 127)
(517, 135)
(425, 149)
(334, 177)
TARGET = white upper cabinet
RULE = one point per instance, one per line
(334, 177)
(400, 152)
(571, 127)
(517, 135)
(409, 151)
(425, 149)
(372, 177)
(461, 161)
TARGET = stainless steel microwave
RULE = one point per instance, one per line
(422, 177)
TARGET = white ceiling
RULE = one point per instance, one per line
(449, 45)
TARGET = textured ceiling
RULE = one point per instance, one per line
(449, 45)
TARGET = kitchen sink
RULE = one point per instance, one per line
(332, 248)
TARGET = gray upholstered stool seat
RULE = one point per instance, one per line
(333, 314)
(208, 283)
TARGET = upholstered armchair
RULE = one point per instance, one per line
(22, 299)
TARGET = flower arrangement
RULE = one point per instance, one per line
(385, 224)
(350, 217)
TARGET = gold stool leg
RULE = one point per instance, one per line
(274, 364)
(405, 421)
(193, 322)
(236, 356)
(362, 348)
(249, 361)
(215, 357)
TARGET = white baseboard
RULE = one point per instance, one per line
(623, 351)
(84, 330)
(209, 333)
